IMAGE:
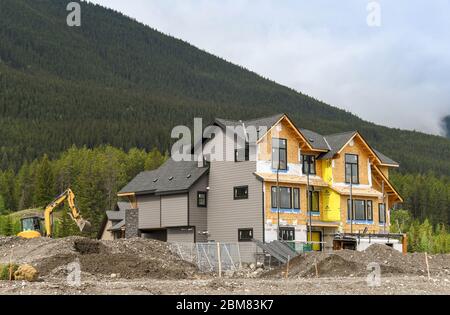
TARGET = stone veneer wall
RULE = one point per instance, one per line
(132, 223)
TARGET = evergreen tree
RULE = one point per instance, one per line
(44, 183)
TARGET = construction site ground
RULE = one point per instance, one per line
(140, 266)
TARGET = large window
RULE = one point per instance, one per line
(312, 164)
(314, 201)
(285, 197)
(279, 154)
(201, 199)
(240, 192)
(245, 235)
(351, 169)
(362, 210)
(382, 213)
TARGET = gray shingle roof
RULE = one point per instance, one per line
(115, 215)
(171, 177)
(384, 159)
(266, 122)
(316, 140)
(118, 226)
(336, 142)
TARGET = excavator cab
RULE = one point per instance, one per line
(32, 226)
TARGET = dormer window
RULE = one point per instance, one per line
(351, 169)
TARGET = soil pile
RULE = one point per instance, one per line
(129, 259)
(348, 263)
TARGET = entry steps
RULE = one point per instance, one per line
(279, 250)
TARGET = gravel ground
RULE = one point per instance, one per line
(405, 285)
(128, 259)
(138, 266)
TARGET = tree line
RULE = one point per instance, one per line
(422, 235)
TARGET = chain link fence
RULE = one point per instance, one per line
(210, 257)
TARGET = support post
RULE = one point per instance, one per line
(219, 260)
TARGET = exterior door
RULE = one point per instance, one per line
(316, 237)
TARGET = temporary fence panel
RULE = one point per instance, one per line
(210, 257)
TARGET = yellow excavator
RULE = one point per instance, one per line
(32, 225)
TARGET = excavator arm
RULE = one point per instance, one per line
(74, 213)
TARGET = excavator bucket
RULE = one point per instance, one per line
(84, 225)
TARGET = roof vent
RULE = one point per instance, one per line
(171, 178)
(189, 176)
(155, 180)
(311, 140)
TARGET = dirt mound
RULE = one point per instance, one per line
(348, 263)
(130, 259)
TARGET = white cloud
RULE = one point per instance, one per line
(396, 75)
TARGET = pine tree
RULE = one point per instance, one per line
(44, 183)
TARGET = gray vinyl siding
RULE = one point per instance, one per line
(174, 210)
(226, 215)
(149, 212)
(181, 235)
(197, 215)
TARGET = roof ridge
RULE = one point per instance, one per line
(341, 133)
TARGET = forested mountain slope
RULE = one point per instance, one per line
(115, 81)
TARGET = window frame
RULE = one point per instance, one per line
(246, 153)
(285, 166)
(245, 240)
(366, 210)
(382, 205)
(312, 167)
(274, 191)
(198, 199)
(240, 187)
(369, 218)
(351, 165)
(310, 196)
(287, 230)
(294, 198)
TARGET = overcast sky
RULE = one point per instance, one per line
(397, 74)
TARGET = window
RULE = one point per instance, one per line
(287, 234)
(201, 199)
(314, 201)
(245, 235)
(240, 192)
(369, 210)
(279, 154)
(351, 169)
(285, 197)
(242, 155)
(382, 213)
(312, 164)
(362, 210)
(296, 198)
